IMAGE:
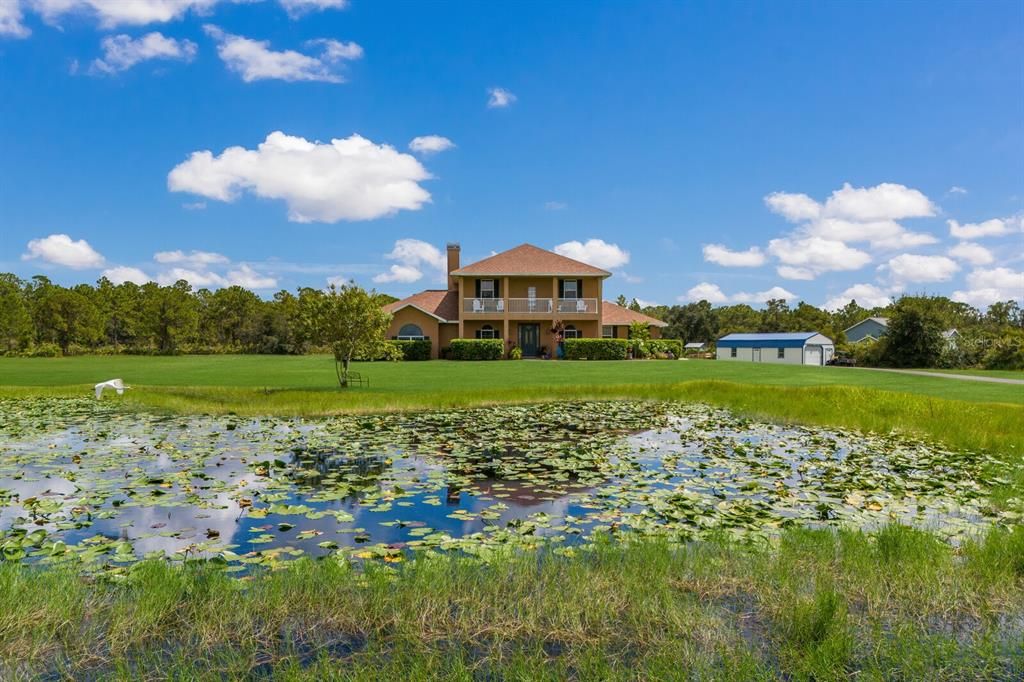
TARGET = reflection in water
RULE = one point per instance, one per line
(117, 490)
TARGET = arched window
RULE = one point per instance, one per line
(487, 332)
(570, 332)
(411, 332)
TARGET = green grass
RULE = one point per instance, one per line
(998, 373)
(819, 605)
(316, 372)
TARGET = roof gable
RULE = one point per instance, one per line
(527, 259)
(612, 313)
(438, 303)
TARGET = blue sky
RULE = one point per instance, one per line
(721, 151)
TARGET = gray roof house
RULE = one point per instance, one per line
(872, 328)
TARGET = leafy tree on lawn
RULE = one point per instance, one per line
(354, 324)
(68, 317)
(914, 338)
(692, 322)
(776, 316)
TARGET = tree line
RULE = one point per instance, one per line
(39, 317)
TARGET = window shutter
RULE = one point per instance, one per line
(579, 288)
(497, 288)
(477, 295)
(561, 288)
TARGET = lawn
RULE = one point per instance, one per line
(316, 372)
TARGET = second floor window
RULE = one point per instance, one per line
(569, 289)
(487, 288)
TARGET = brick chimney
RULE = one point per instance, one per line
(454, 251)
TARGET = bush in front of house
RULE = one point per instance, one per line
(477, 349)
(413, 349)
(663, 348)
(596, 349)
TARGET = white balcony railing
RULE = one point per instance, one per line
(580, 306)
(530, 306)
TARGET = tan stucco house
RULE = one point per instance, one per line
(517, 295)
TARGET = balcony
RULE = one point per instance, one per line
(530, 306)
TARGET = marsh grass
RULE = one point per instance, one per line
(817, 605)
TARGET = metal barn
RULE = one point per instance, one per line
(790, 348)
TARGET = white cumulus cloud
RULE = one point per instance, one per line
(60, 249)
(811, 256)
(122, 273)
(887, 201)
(412, 255)
(596, 252)
(11, 20)
(909, 267)
(253, 59)
(430, 144)
(866, 295)
(111, 13)
(987, 286)
(972, 253)
(197, 278)
(995, 227)
(192, 258)
(298, 8)
(347, 179)
(121, 52)
(499, 98)
(712, 293)
(245, 276)
(718, 253)
(796, 208)
(705, 291)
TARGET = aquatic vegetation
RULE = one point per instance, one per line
(87, 483)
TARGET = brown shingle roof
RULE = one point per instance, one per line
(438, 302)
(612, 313)
(527, 259)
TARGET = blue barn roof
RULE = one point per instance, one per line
(779, 340)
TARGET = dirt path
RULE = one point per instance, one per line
(962, 377)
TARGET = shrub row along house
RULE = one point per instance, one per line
(519, 295)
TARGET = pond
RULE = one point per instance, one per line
(85, 481)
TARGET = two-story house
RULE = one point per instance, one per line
(518, 295)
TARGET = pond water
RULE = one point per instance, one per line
(83, 481)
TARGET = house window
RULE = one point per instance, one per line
(487, 288)
(732, 352)
(487, 332)
(781, 354)
(410, 332)
(608, 331)
(571, 332)
(569, 289)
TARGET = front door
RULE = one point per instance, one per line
(529, 339)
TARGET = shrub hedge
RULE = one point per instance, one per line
(477, 349)
(655, 347)
(413, 349)
(596, 349)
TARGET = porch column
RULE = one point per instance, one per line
(505, 333)
(461, 310)
(554, 316)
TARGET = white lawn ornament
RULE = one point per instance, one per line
(114, 384)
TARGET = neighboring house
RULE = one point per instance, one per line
(874, 328)
(871, 329)
(515, 295)
(791, 348)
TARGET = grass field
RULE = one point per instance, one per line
(316, 372)
(895, 604)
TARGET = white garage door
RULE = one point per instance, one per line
(812, 355)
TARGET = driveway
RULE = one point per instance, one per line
(943, 375)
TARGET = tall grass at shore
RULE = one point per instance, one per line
(818, 605)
